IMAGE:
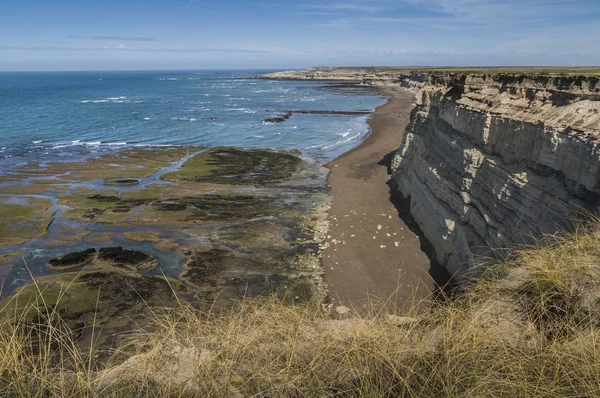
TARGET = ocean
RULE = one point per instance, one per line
(67, 115)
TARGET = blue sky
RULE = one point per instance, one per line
(277, 34)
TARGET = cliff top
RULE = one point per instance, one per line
(529, 70)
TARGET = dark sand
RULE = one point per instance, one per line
(373, 254)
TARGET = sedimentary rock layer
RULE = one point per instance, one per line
(493, 160)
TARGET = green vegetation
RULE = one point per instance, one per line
(530, 327)
(20, 222)
(232, 166)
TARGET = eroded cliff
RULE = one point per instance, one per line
(493, 160)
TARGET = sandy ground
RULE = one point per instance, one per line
(373, 253)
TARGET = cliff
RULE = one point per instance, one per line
(490, 160)
(493, 160)
(365, 75)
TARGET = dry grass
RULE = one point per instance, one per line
(528, 328)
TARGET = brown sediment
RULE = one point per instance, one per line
(371, 252)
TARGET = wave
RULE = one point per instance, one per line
(112, 100)
(185, 119)
(276, 90)
(36, 142)
(77, 143)
(341, 142)
(156, 145)
(180, 78)
(245, 110)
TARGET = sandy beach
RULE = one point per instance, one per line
(373, 253)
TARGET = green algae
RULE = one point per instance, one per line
(121, 182)
(21, 222)
(113, 256)
(133, 259)
(72, 260)
(233, 166)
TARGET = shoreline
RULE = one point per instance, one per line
(371, 253)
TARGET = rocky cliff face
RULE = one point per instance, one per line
(493, 160)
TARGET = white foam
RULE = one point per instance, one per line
(36, 142)
(146, 118)
(156, 145)
(342, 141)
(115, 100)
(116, 143)
(185, 119)
(245, 110)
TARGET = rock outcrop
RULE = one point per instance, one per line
(491, 159)
(367, 76)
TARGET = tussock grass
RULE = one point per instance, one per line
(529, 327)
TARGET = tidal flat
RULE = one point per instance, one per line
(108, 238)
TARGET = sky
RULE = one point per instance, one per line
(283, 34)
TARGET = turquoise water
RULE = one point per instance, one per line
(59, 116)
